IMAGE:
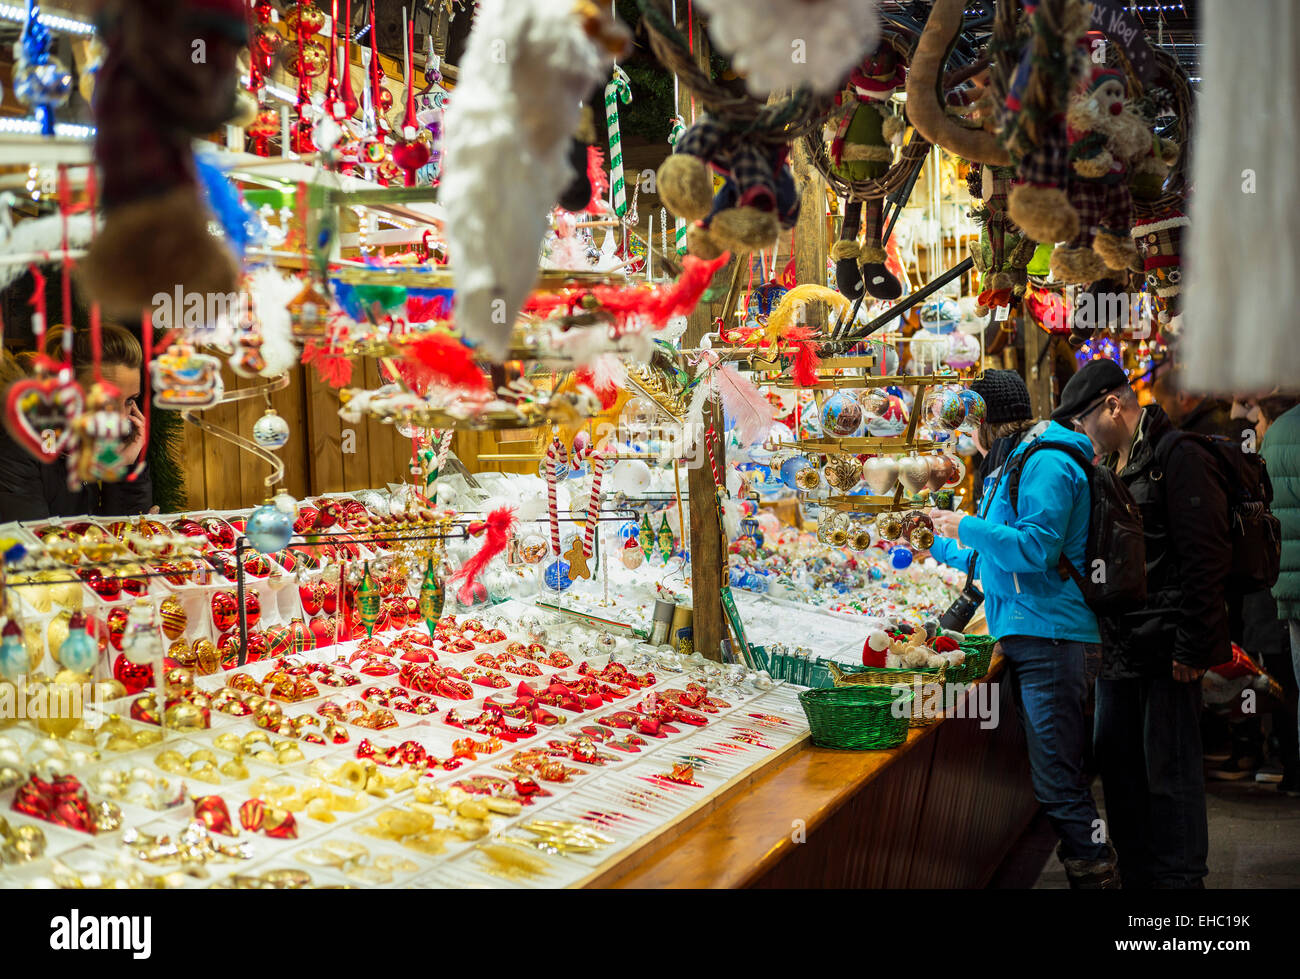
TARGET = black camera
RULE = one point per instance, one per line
(963, 609)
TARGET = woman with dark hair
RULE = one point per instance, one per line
(32, 490)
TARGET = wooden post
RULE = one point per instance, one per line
(810, 230)
(1038, 369)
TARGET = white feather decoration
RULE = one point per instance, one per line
(525, 71)
(41, 235)
(271, 293)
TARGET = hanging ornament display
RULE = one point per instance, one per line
(410, 152)
(271, 431)
(646, 536)
(185, 379)
(40, 411)
(140, 640)
(14, 661)
(632, 555)
(266, 40)
(39, 79)
(270, 526)
(665, 539)
(78, 651)
(369, 600)
(432, 597)
(101, 435)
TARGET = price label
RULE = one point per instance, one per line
(1000, 313)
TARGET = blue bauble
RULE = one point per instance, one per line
(791, 467)
(79, 653)
(269, 529)
(13, 657)
(628, 530)
(556, 575)
(900, 557)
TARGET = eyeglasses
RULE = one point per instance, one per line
(1078, 419)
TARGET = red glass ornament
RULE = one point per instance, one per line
(225, 610)
(132, 676)
(212, 812)
(116, 619)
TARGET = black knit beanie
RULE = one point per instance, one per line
(1006, 396)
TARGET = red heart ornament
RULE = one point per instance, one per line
(39, 413)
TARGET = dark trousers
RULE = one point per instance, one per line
(1148, 745)
(1051, 680)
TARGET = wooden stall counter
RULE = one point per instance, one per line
(942, 810)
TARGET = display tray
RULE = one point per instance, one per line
(941, 810)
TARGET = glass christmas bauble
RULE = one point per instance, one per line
(841, 415)
(890, 525)
(49, 84)
(271, 431)
(900, 557)
(269, 528)
(556, 576)
(791, 468)
(975, 410)
(945, 409)
(890, 421)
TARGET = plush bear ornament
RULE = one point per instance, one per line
(153, 96)
(757, 200)
(1107, 138)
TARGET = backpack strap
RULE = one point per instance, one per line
(1063, 566)
(1018, 464)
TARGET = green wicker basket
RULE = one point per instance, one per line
(857, 718)
(979, 656)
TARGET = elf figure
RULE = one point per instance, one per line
(1106, 139)
(757, 200)
(170, 75)
(861, 150)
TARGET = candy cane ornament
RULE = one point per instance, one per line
(556, 456)
(618, 89)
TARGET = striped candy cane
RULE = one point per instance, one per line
(444, 447)
(618, 89)
(555, 457)
(593, 503)
(709, 436)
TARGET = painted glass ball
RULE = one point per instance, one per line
(945, 409)
(271, 431)
(556, 576)
(48, 84)
(269, 528)
(975, 410)
(841, 415)
(891, 421)
(791, 468)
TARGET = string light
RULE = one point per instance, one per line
(57, 22)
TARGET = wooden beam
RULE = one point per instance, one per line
(810, 230)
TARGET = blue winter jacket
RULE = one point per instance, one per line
(1019, 551)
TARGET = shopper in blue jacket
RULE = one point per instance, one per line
(1046, 631)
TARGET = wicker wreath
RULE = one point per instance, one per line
(1169, 75)
(798, 114)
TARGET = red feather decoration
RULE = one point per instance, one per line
(499, 524)
(427, 309)
(445, 361)
(806, 360)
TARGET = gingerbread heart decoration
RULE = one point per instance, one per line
(39, 414)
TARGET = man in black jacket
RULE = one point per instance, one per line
(1147, 733)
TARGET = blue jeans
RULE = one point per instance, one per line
(1051, 679)
(1148, 744)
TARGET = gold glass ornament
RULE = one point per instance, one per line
(890, 525)
(808, 478)
(843, 473)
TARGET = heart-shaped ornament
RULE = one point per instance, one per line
(880, 473)
(941, 470)
(39, 414)
(914, 474)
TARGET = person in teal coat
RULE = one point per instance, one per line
(1046, 631)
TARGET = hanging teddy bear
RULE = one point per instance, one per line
(757, 200)
(170, 75)
(860, 149)
(1107, 139)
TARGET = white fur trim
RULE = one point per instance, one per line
(1139, 230)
